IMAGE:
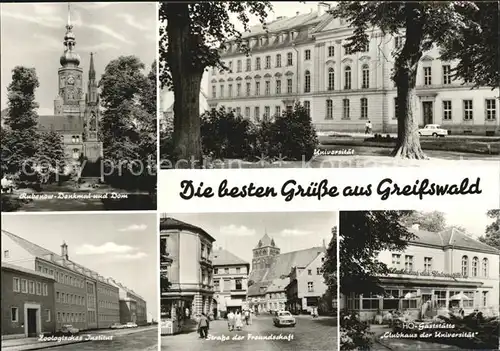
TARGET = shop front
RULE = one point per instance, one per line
(175, 312)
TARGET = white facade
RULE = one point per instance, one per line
(303, 59)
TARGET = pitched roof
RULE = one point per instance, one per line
(172, 223)
(278, 285)
(280, 267)
(265, 241)
(12, 267)
(451, 237)
(64, 123)
(224, 257)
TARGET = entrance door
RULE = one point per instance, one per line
(32, 322)
(427, 109)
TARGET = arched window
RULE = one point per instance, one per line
(347, 78)
(485, 267)
(465, 266)
(307, 82)
(331, 79)
(366, 77)
(76, 154)
(475, 266)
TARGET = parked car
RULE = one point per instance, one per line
(434, 130)
(130, 325)
(117, 326)
(68, 330)
(284, 318)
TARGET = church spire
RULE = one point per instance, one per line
(69, 58)
(69, 26)
(91, 68)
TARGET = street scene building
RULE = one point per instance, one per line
(230, 282)
(302, 59)
(80, 296)
(449, 269)
(132, 305)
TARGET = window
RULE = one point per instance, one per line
(14, 315)
(277, 110)
(391, 300)
(222, 90)
(227, 285)
(257, 63)
(278, 86)
(16, 285)
(329, 109)
(318, 271)
(214, 71)
(447, 110)
(248, 89)
(307, 82)
(470, 302)
(24, 286)
(268, 87)
(347, 78)
(485, 299)
(267, 112)
(491, 110)
(347, 50)
(238, 89)
(58, 316)
(247, 115)
(485, 268)
(398, 41)
(365, 48)
(396, 260)
(278, 60)
(6, 254)
(427, 264)
(331, 51)
(214, 92)
(238, 66)
(238, 111)
(370, 302)
(307, 106)
(31, 287)
(440, 298)
(468, 111)
(410, 299)
(238, 284)
(47, 315)
(230, 90)
(345, 109)
(257, 88)
(238, 270)
(45, 289)
(395, 108)
(249, 65)
(216, 285)
(309, 272)
(268, 62)
(475, 266)
(331, 79)
(307, 55)
(310, 286)
(364, 108)
(465, 266)
(289, 59)
(257, 112)
(427, 76)
(366, 77)
(408, 263)
(289, 86)
(446, 74)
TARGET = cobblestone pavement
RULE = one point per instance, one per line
(308, 335)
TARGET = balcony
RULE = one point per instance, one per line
(206, 261)
(238, 292)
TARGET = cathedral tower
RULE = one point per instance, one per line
(264, 253)
(92, 105)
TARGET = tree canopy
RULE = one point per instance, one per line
(492, 234)
(329, 267)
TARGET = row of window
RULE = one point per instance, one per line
(71, 299)
(61, 277)
(227, 284)
(409, 265)
(105, 291)
(75, 139)
(109, 318)
(108, 304)
(30, 287)
(272, 296)
(227, 270)
(474, 271)
(63, 317)
(14, 315)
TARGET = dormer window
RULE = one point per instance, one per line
(292, 35)
(263, 41)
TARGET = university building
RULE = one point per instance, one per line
(230, 282)
(303, 59)
(190, 273)
(82, 297)
(132, 305)
(269, 278)
(449, 269)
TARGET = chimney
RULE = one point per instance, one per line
(416, 226)
(324, 244)
(322, 8)
(64, 250)
(297, 13)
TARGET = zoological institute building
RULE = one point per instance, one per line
(303, 58)
(449, 269)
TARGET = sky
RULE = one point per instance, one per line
(32, 36)
(122, 246)
(239, 233)
(472, 219)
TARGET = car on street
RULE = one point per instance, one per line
(434, 130)
(68, 330)
(284, 318)
(130, 325)
(117, 326)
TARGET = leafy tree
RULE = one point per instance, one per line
(19, 140)
(433, 221)
(363, 235)
(476, 47)
(50, 153)
(492, 235)
(329, 267)
(424, 23)
(190, 42)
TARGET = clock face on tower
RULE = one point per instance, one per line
(71, 80)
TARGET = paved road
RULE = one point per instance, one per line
(139, 340)
(311, 335)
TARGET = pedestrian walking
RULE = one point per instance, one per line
(230, 321)
(247, 317)
(238, 321)
(368, 127)
(203, 326)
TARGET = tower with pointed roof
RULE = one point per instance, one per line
(264, 252)
(92, 105)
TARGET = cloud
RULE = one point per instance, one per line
(134, 228)
(234, 230)
(131, 21)
(294, 232)
(129, 257)
(106, 30)
(46, 21)
(46, 15)
(99, 47)
(107, 248)
(49, 42)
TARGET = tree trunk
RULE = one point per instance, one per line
(186, 79)
(406, 65)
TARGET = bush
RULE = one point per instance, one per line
(354, 334)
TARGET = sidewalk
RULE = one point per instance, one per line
(36, 344)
